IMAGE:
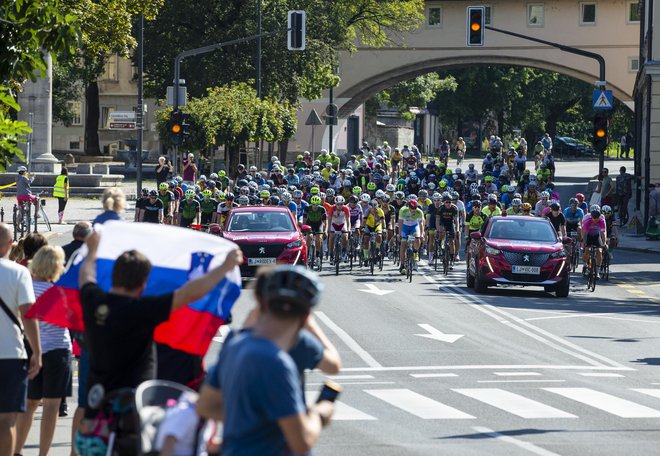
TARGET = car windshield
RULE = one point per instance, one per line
(522, 230)
(260, 222)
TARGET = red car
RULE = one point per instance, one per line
(266, 235)
(518, 250)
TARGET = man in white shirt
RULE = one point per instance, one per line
(17, 295)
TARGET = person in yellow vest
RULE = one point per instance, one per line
(61, 192)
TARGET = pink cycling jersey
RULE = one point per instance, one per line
(591, 226)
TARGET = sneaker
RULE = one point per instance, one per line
(430, 257)
(584, 270)
(597, 275)
(416, 256)
(458, 258)
(64, 409)
(402, 271)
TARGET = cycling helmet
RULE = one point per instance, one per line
(446, 198)
(330, 192)
(402, 174)
(458, 170)
(347, 183)
(290, 290)
(379, 193)
(449, 172)
(211, 183)
(443, 184)
(314, 190)
(488, 178)
(353, 199)
(431, 186)
(414, 179)
(21, 169)
(423, 193)
(436, 196)
(207, 193)
(385, 198)
(264, 194)
(555, 206)
(471, 166)
(190, 194)
(315, 200)
(399, 195)
(476, 203)
(357, 190)
(213, 176)
(509, 188)
(373, 203)
(292, 188)
(286, 196)
(245, 190)
(516, 202)
(198, 189)
(153, 193)
(517, 195)
(322, 195)
(365, 197)
(297, 194)
(412, 196)
(579, 196)
(202, 178)
(163, 186)
(573, 202)
(253, 169)
(243, 200)
(545, 194)
(474, 186)
(274, 200)
(505, 188)
(492, 199)
(221, 196)
(339, 200)
(412, 204)
(454, 195)
(607, 210)
(595, 213)
(145, 192)
(221, 173)
(390, 188)
(526, 207)
(371, 186)
(229, 196)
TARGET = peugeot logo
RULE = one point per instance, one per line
(526, 258)
(262, 250)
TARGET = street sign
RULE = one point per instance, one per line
(183, 91)
(313, 118)
(602, 99)
(121, 120)
(122, 126)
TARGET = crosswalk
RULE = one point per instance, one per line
(548, 403)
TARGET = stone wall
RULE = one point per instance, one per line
(395, 135)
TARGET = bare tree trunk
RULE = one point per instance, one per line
(92, 119)
(283, 146)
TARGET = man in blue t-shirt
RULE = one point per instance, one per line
(256, 388)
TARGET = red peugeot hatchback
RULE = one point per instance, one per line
(518, 250)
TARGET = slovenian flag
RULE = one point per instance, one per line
(177, 255)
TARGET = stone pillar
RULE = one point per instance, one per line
(37, 98)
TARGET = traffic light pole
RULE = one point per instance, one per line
(139, 115)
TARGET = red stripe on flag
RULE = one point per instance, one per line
(188, 330)
(59, 306)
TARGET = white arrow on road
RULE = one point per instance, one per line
(437, 334)
(373, 289)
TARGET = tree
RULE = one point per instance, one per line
(28, 29)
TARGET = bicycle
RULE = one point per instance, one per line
(575, 251)
(39, 211)
(605, 265)
(591, 269)
(314, 258)
(410, 257)
(337, 254)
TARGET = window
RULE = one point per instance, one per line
(488, 15)
(74, 145)
(535, 14)
(110, 69)
(633, 64)
(435, 16)
(105, 116)
(632, 12)
(587, 13)
(76, 109)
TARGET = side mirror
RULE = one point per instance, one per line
(476, 235)
(566, 240)
(306, 229)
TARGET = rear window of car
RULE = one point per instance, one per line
(522, 230)
(260, 222)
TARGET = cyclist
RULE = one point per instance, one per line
(516, 207)
(411, 222)
(373, 223)
(492, 209)
(532, 194)
(610, 225)
(168, 200)
(207, 207)
(190, 209)
(139, 204)
(582, 204)
(474, 221)
(460, 150)
(389, 212)
(574, 216)
(431, 226)
(447, 223)
(316, 218)
(395, 160)
(340, 222)
(471, 175)
(444, 152)
(223, 208)
(542, 203)
(527, 210)
(286, 202)
(302, 205)
(556, 217)
(594, 228)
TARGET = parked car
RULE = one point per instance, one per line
(518, 250)
(565, 146)
(267, 235)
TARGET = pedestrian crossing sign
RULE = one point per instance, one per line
(602, 99)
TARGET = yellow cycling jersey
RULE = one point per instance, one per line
(374, 220)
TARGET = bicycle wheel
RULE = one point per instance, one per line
(15, 222)
(311, 254)
(592, 270)
(372, 256)
(445, 257)
(351, 253)
(45, 217)
(411, 264)
(337, 255)
(606, 266)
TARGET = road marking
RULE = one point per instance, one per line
(436, 334)
(595, 315)
(521, 381)
(433, 375)
(636, 292)
(350, 377)
(606, 402)
(514, 403)
(648, 391)
(515, 374)
(484, 366)
(418, 405)
(517, 442)
(600, 374)
(343, 412)
(356, 383)
(626, 286)
(348, 340)
(373, 289)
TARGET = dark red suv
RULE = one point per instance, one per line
(518, 250)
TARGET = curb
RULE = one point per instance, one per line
(638, 250)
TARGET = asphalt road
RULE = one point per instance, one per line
(431, 368)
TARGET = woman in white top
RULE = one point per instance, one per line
(51, 384)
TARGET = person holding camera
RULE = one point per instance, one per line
(163, 169)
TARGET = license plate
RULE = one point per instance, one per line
(261, 261)
(526, 269)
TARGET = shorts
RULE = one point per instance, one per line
(185, 222)
(593, 239)
(355, 224)
(376, 229)
(83, 373)
(448, 229)
(25, 198)
(572, 227)
(316, 227)
(409, 230)
(13, 394)
(334, 228)
(52, 381)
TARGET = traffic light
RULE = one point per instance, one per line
(184, 126)
(331, 112)
(175, 128)
(475, 26)
(296, 31)
(601, 137)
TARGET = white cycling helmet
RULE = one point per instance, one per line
(365, 197)
(339, 200)
(379, 193)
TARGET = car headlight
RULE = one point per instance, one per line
(559, 254)
(492, 251)
(294, 244)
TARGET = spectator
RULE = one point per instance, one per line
(61, 192)
(654, 201)
(607, 190)
(258, 385)
(190, 170)
(16, 365)
(624, 147)
(623, 193)
(31, 245)
(80, 231)
(163, 169)
(52, 382)
(114, 202)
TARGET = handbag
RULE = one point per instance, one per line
(14, 320)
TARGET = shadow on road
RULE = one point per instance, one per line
(513, 432)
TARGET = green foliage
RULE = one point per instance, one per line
(416, 92)
(11, 131)
(286, 75)
(231, 115)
